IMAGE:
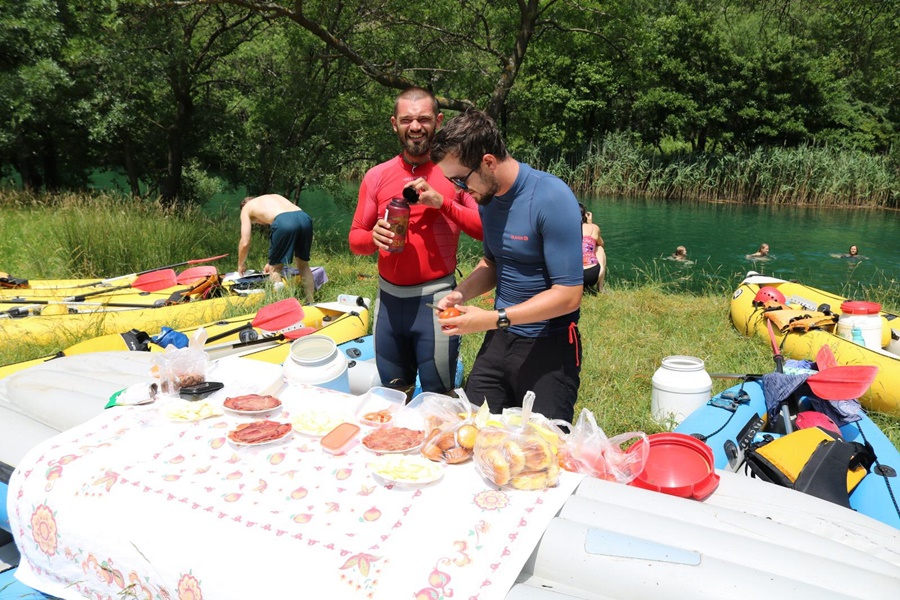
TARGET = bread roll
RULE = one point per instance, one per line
(538, 453)
(495, 466)
(515, 455)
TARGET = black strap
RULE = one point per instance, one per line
(136, 340)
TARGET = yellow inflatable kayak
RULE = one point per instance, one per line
(10, 284)
(813, 318)
(61, 328)
(343, 320)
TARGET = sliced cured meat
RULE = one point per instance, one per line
(259, 432)
(393, 439)
(251, 403)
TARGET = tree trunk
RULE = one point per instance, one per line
(131, 166)
(177, 132)
(24, 163)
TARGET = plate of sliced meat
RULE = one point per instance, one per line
(259, 432)
(251, 404)
(391, 440)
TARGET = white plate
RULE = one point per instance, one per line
(185, 411)
(286, 435)
(408, 470)
(251, 413)
(411, 449)
(315, 423)
(263, 411)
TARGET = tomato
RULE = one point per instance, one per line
(449, 313)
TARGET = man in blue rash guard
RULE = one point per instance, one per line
(532, 256)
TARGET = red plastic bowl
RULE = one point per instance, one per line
(679, 465)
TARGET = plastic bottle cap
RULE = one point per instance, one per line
(857, 307)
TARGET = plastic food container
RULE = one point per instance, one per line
(341, 438)
(867, 317)
(200, 390)
(680, 386)
(679, 465)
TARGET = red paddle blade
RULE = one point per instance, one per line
(155, 281)
(279, 315)
(825, 358)
(842, 382)
(195, 274)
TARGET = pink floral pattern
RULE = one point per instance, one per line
(189, 588)
(44, 530)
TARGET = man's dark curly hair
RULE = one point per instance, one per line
(469, 136)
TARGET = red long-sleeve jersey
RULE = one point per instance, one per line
(433, 234)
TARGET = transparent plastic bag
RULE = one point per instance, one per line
(450, 428)
(592, 453)
(521, 452)
(182, 367)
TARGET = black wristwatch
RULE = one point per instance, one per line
(502, 320)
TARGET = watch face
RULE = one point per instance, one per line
(503, 320)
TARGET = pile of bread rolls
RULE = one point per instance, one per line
(451, 445)
(524, 460)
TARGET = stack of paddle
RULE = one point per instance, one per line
(197, 279)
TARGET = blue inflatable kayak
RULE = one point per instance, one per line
(736, 418)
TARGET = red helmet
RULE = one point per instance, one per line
(769, 294)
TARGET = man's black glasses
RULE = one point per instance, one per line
(460, 182)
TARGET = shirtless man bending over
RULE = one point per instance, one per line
(292, 233)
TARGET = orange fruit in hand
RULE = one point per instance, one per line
(449, 313)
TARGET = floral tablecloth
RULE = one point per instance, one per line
(132, 504)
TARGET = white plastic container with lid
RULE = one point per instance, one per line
(680, 386)
(316, 360)
(864, 315)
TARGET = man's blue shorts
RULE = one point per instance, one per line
(292, 234)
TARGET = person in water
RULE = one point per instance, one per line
(593, 254)
(852, 253)
(679, 254)
(763, 252)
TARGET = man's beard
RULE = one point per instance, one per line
(484, 200)
(492, 186)
(418, 147)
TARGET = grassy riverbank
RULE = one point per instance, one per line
(626, 331)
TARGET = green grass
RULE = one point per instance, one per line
(626, 331)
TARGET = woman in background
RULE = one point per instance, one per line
(593, 256)
(762, 253)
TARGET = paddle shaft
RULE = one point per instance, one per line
(278, 338)
(181, 264)
(35, 303)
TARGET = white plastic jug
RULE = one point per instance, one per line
(680, 386)
(866, 316)
(316, 360)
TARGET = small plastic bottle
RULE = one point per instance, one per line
(397, 216)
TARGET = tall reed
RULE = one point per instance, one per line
(819, 176)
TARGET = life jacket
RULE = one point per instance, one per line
(813, 461)
(7, 281)
(209, 286)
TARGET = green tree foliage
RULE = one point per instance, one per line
(278, 95)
